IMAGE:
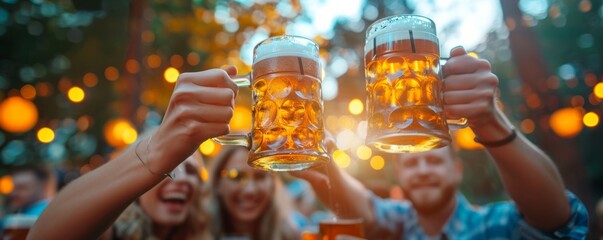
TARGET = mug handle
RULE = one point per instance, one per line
(237, 139)
(453, 124)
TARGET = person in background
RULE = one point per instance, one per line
(172, 209)
(34, 186)
(201, 106)
(541, 207)
(248, 203)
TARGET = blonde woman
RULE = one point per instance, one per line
(200, 108)
(248, 203)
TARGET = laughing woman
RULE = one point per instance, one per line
(248, 203)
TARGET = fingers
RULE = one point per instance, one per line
(457, 51)
(230, 70)
(217, 78)
(470, 111)
(468, 96)
(461, 63)
(481, 79)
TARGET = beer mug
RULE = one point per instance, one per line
(403, 81)
(16, 227)
(287, 126)
(331, 229)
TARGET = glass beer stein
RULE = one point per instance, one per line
(403, 82)
(287, 125)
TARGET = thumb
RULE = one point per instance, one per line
(230, 70)
(457, 51)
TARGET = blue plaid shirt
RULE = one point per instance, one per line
(398, 220)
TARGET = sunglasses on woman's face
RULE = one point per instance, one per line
(242, 177)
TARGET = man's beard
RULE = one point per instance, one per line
(431, 204)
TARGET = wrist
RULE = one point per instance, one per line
(495, 132)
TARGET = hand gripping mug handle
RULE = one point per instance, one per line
(237, 139)
(453, 124)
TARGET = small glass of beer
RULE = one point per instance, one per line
(330, 229)
(403, 82)
(287, 125)
(17, 226)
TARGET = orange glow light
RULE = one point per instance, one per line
(6, 185)
(527, 126)
(45, 135)
(76, 94)
(377, 162)
(171, 75)
(591, 119)
(176, 61)
(90, 79)
(341, 159)
(598, 90)
(17, 115)
(356, 106)
(566, 122)
(464, 138)
(241, 119)
(154, 61)
(132, 66)
(28, 92)
(111, 73)
(119, 133)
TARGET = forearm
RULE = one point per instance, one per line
(85, 208)
(529, 175)
(344, 195)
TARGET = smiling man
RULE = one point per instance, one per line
(435, 209)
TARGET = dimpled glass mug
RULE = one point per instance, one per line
(287, 125)
(403, 82)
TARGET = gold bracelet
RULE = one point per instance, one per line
(145, 165)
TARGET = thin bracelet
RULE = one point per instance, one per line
(498, 143)
(145, 165)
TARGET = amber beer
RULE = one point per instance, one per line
(402, 61)
(330, 229)
(287, 129)
(16, 227)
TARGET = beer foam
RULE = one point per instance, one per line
(286, 46)
(401, 27)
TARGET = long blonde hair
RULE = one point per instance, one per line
(275, 223)
(134, 223)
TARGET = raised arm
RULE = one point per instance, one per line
(529, 175)
(339, 191)
(200, 108)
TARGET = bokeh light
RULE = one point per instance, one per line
(76, 94)
(566, 122)
(363, 152)
(356, 106)
(111, 73)
(17, 115)
(377, 162)
(241, 119)
(210, 148)
(598, 90)
(90, 79)
(132, 66)
(171, 75)
(6, 185)
(45, 135)
(28, 92)
(590, 119)
(154, 61)
(119, 133)
(341, 158)
(527, 126)
(465, 139)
